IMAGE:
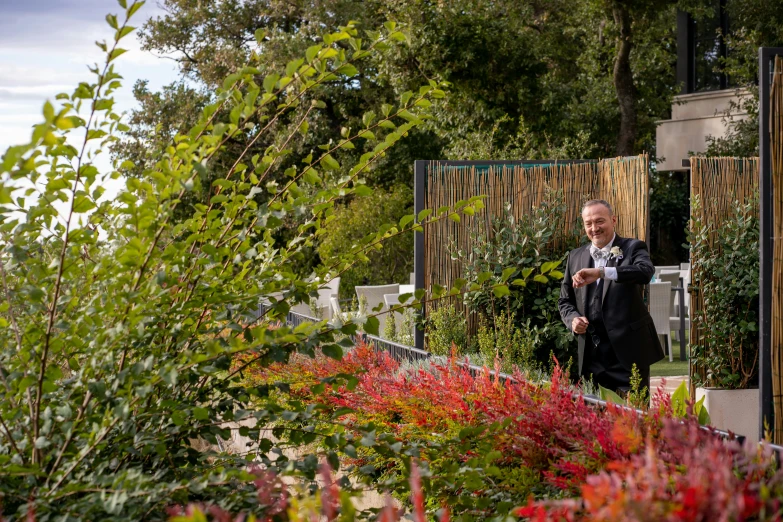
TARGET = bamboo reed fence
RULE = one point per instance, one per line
(719, 183)
(776, 146)
(621, 181)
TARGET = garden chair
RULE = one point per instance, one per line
(660, 310)
(413, 278)
(303, 309)
(407, 289)
(374, 297)
(392, 300)
(659, 269)
(325, 293)
(335, 305)
(674, 322)
(685, 266)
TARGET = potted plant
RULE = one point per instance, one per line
(724, 335)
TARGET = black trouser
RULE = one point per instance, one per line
(601, 363)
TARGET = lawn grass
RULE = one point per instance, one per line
(664, 368)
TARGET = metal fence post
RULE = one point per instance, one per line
(419, 184)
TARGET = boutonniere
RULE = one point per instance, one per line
(616, 252)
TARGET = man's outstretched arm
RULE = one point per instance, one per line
(640, 270)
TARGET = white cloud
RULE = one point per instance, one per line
(45, 47)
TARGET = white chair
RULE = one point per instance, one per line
(674, 321)
(325, 293)
(685, 266)
(407, 289)
(392, 300)
(335, 305)
(374, 297)
(673, 277)
(659, 269)
(660, 310)
(413, 278)
(303, 309)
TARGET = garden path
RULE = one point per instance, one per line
(672, 382)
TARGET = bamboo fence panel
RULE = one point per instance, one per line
(624, 182)
(718, 182)
(776, 147)
(621, 181)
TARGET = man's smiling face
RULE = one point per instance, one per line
(599, 224)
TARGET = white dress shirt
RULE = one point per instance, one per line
(609, 271)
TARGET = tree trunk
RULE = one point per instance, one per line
(623, 81)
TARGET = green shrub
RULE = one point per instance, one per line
(513, 345)
(446, 326)
(726, 272)
(119, 324)
(516, 248)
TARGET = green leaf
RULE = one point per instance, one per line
(83, 204)
(454, 217)
(368, 118)
(123, 32)
(270, 82)
(680, 400)
(362, 190)
(507, 272)
(546, 267)
(48, 111)
(408, 116)
(329, 162)
(116, 53)
(541, 279)
(200, 413)
(424, 214)
(332, 350)
(312, 52)
(501, 291)
(135, 7)
(260, 34)
(404, 220)
(311, 176)
(372, 325)
(701, 412)
(348, 70)
(610, 396)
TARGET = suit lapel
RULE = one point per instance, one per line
(584, 262)
(610, 262)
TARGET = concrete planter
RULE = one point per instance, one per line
(733, 410)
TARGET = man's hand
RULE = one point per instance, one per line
(585, 276)
(579, 325)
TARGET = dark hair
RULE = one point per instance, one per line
(603, 202)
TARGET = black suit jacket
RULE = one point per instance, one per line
(627, 320)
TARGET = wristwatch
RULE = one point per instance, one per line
(600, 272)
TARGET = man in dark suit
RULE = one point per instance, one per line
(601, 301)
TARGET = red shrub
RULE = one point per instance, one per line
(619, 464)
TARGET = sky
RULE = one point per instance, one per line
(45, 48)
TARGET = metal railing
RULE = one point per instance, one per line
(398, 352)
